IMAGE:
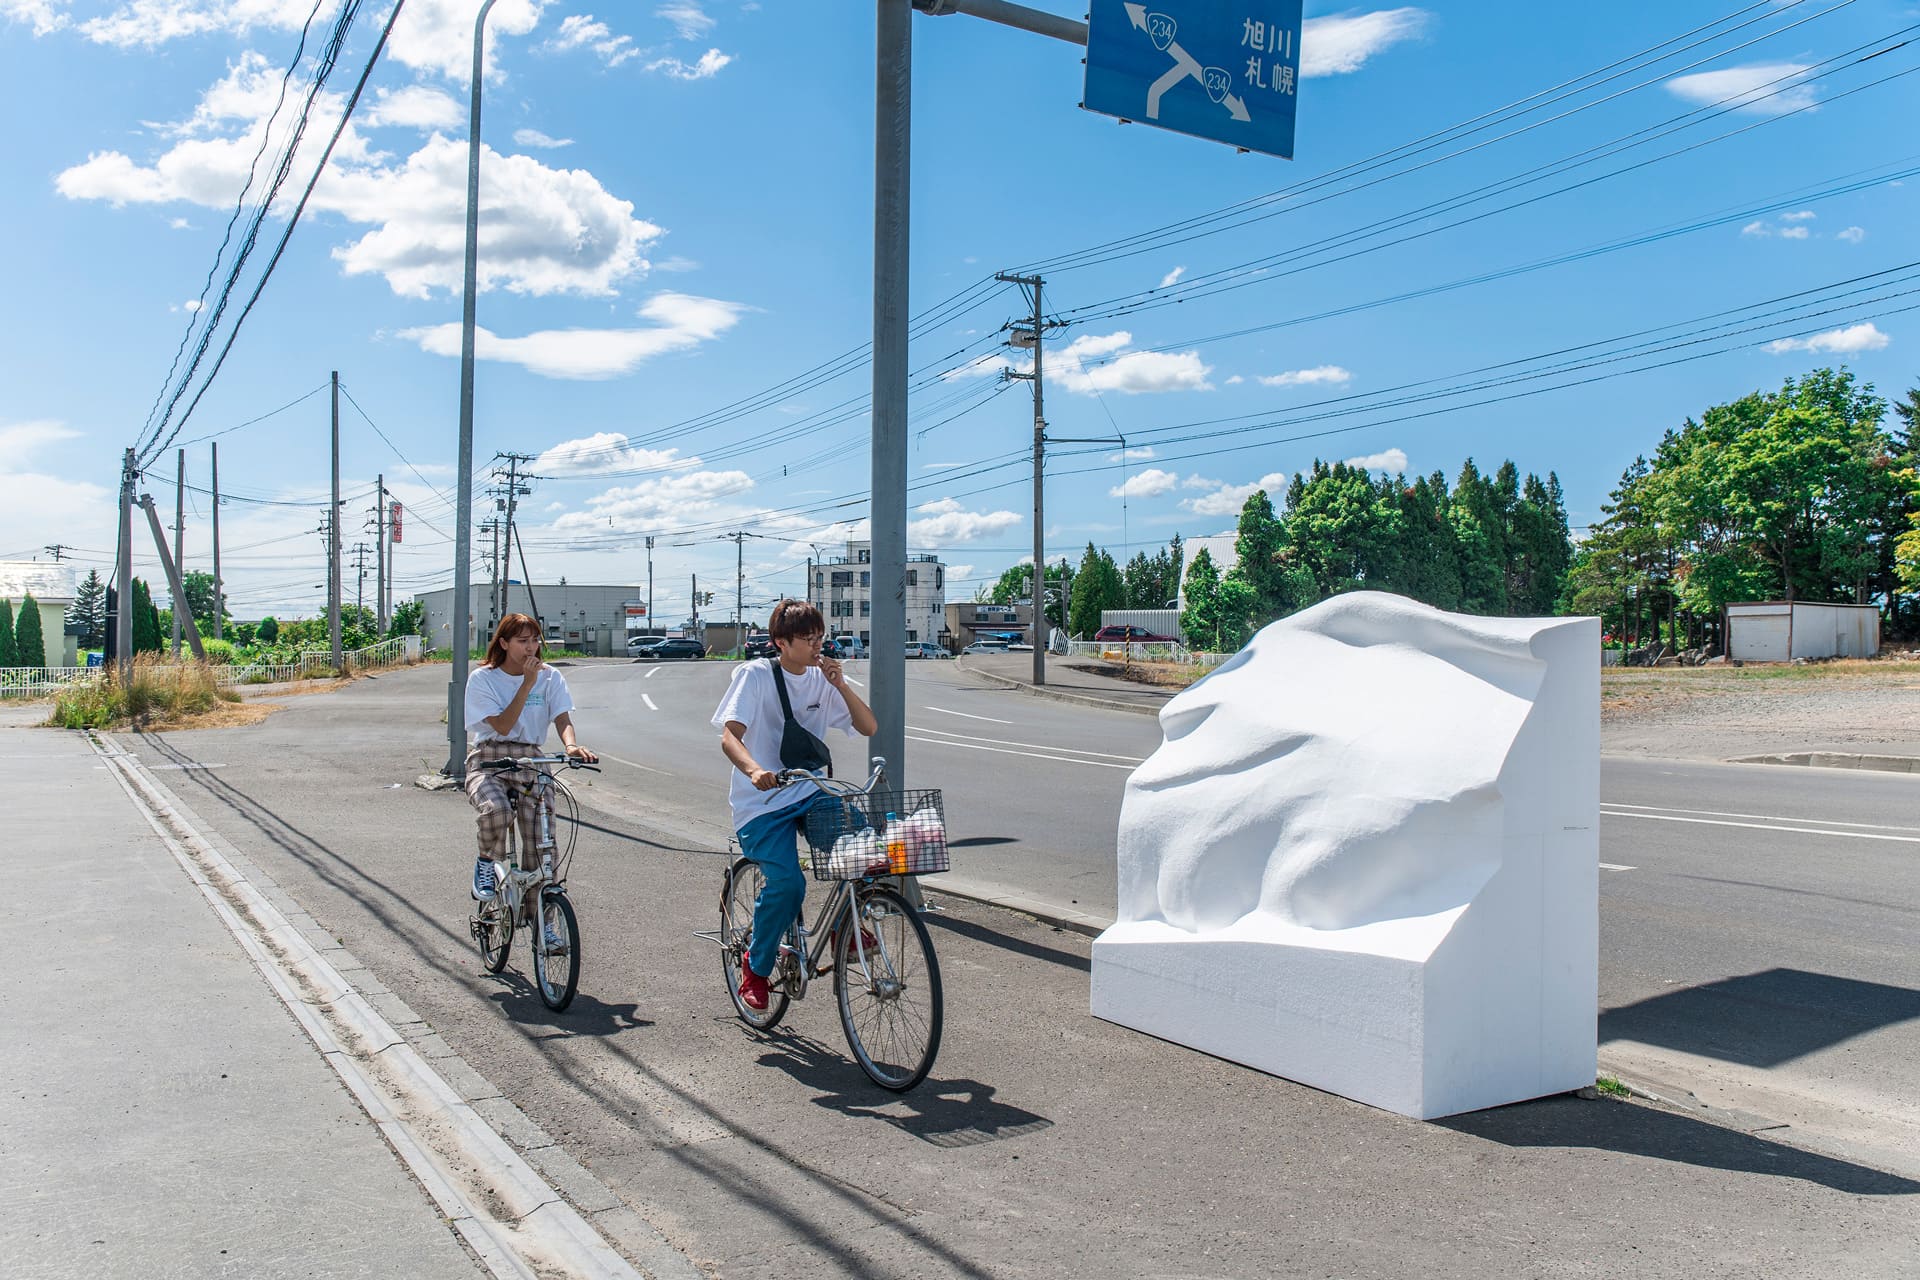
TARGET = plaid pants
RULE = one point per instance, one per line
(490, 793)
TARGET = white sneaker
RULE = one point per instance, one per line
(484, 887)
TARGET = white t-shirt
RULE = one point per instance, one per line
(752, 700)
(489, 690)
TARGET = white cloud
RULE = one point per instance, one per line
(1864, 336)
(709, 64)
(1094, 363)
(1392, 461)
(1172, 277)
(941, 466)
(20, 439)
(688, 18)
(1794, 233)
(35, 507)
(1229, 498)
(437, 35)
(581, 31)
(1802, 215)
(155, 22)
(1331, 374)
(1235, 380)
(1132, 455)
(44, 16)
(547, 230)
(1766, 87)
(1150, 483)
(677, 264)
(606, 451)
(416, 106)
(944, 522)
(1755, 228)
(683, 322)
(647, 505)
(1852, 235)
(1342, 43)
(537, 139)
(960, 572)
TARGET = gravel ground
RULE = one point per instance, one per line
(1723, 713)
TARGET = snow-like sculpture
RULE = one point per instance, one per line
(1366, 858)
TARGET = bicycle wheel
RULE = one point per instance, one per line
(890, 1005)
(556, 972)
(739, 890)
(492, 926)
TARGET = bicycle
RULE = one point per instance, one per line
(556, 965)
(886, 978)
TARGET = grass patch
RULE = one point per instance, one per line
(1611, 1088)
(159, 694)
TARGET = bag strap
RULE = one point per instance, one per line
(780, 683)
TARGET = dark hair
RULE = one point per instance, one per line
(795, 618)
(512, 625)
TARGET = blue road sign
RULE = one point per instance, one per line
(1228, 70)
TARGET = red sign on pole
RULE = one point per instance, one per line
(394, 533)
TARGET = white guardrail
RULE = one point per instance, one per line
(42, 682)
(1142, 650)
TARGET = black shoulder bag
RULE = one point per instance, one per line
(799, 749)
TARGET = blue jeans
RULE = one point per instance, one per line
(772, 840)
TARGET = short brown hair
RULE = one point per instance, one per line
(795, 618)
(512, 625)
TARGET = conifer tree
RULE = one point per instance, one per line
(29, 648)
(146, 620)
(6, 634)
(89, 609)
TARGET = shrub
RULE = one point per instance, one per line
(219, 652)
(6, 635)
(268, 631)
(29, 649)
(158, 691)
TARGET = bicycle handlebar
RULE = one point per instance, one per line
(787, 777)
(523, 762)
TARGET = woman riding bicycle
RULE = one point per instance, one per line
(777, 711)
(511, 699)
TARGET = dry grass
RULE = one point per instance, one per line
(1161, 675)
(160, 694)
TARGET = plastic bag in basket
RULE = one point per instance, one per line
(926, 837)
(858, 853)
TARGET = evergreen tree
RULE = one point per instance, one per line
(1257, 547)
(146, 619)
(1215, 618)
(29, 647)
(1906, 441)
(89, 610)
(7, 652)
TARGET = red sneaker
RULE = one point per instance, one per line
(830, 956)
(753, 990)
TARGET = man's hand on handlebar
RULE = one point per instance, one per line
(582, 755)
(765, 780)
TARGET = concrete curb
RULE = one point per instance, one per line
(1058, 695)
(994, 895)
(1837, 760)
(510, 1215)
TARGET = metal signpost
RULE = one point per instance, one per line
(1227, 70)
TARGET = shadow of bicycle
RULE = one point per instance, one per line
(520, 1000)
(942, 1112)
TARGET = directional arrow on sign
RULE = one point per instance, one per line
(1160, 30)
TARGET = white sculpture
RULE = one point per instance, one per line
(1366, 858)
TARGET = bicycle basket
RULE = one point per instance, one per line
(879, 833)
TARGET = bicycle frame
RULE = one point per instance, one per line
(522, 886)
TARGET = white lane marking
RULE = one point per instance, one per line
(635, 764)
(1037, 746)
(651, 673)
(1003, 751)
(1614, 866)
(1763, 817)
(989, 719)
(852, 681)
(1761, 826)
(651, 704)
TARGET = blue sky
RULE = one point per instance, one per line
(677, 236)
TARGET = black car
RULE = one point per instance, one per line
(668, 650)
(760, 645)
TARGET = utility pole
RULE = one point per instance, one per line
(360, 550)
(1022, 338)
(333, 536)
(380, 552)
(179, 521)
(219, 586)
(56, 550)
(649, 582)
(514, 489)
(696, 604)
(739, 540)
(123, 604)
(492, 527)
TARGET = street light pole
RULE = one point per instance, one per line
(892, 156)
(463, 501)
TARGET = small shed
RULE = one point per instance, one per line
(1781, 630)
(53, 586)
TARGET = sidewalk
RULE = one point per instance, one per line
(166, 1115)
(1068, 682)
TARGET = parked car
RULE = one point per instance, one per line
(850, 646)
(637, 643)
(830, 648)
(670, 650)
(984, 646)
(1130, 635)
(760, 645)
(926, 649)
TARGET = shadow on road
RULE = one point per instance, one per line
(1636, 1130)
(1019, 946)
(945, 1113)
(586, 1016)
(1762, 1019)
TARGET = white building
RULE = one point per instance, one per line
(842, 589)
(1775, 631)
(589, 619)
(53, 586)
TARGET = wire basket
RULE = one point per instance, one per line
(878, 833)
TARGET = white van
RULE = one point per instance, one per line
(850, 646)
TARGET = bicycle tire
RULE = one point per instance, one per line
(891, 1006)
(556, 913)
(739, 889)
(492, 933)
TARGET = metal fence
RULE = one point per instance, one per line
(1144, 651)
(43, 682)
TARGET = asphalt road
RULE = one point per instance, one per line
(1047, 1143)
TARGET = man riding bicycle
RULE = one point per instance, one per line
(778, 710)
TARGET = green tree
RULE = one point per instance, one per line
(406, 620)
(1257, 555)
(146, 619)
(88, 611)
(199, 592)
(1907, 440)
(1217, 609)
(1097, 586)
(1479, 530)
(8, 655)
(29, 647)
(268, 632)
